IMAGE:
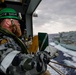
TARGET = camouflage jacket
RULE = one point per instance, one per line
(10, 47)
(14, 58)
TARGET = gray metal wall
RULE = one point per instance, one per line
(29, 25)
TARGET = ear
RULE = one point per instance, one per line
(8, 22)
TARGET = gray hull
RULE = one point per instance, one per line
(69, 46)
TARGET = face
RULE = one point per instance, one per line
(7, 24)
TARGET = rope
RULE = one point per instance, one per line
(63, 65)
(58, 71)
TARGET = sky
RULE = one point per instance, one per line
(55, 16)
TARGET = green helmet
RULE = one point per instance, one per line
(9, 13)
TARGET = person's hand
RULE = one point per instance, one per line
(53, 52)
(44, 56)
(40, 61)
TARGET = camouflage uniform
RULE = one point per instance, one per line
(14, 57)
(13, 60)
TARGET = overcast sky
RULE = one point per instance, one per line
(55, 16)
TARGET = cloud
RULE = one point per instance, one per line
(55, 16)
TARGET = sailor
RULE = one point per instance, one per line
(24, 37)
(14, 57)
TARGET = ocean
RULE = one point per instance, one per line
(66, 57)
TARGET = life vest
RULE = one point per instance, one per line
(16, 39)
(10, 46)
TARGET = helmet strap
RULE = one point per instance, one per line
(13, 25)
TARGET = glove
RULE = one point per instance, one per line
(40, 61)
(53, 52)
(44, 56)
(33, 65)
(49, 53)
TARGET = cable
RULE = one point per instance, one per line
(58, 71)
(62, 65)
